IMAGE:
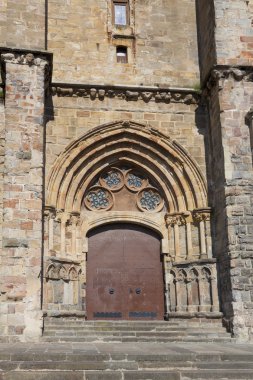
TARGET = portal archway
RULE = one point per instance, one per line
(125, 172)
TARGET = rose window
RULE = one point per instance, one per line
(122, 186)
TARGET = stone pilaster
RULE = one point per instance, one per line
(230, 101)
(26, 75)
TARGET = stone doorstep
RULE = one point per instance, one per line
(124, 365)
(120, 339)
(165, 334)
(52, 353)
(129, 375)
(127, 328)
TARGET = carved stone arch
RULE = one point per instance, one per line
(206, 273)
(182, 275)
(72, 273)
(173, 274)
(63, 274)
(193, 274)
(162, 158)
(51, 272)
(206, 289)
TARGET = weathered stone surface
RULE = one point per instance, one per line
(195, 149)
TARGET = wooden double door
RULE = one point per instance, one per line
(124, 274)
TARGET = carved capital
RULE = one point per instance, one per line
(49, 212)
(175, 219)
(201, 215)
(62, 216)
(74, 219)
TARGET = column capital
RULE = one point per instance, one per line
(201, 214)
(178, 219)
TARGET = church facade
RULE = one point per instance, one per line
(126, 162)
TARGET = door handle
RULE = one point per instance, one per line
(138, 290)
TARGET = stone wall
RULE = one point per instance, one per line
(22, 195)
(232, 195)
(22, 24)
(72, 116)
(234, 32)
(161, 41)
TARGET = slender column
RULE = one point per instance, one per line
(175, 220)
(63, 218)
(51, 233)
(202, 238)
(74, 222)
(50, 214)
(46, 231)
(189, 239)
(176, 241)
(201, 216)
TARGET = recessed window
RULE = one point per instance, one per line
(121, 53)
(121, 12)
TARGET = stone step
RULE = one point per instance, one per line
(79, 330)
(146, 334)
(78, 365)
(78, 321)
(241, 374)
(134, 328)
(61, 363)
(96, 338)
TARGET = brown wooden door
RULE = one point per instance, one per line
(124, 274)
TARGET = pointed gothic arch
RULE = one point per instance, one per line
(163, 159)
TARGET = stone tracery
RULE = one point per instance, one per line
(144, 196)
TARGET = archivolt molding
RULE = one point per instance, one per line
(136, 145)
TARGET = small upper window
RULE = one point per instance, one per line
(121, 52)
(121, 12)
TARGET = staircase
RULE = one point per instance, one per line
(74, 330)
(75, 349)
(124, 361)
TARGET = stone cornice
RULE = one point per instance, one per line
(29, 57)
(127, 93)
(221, 72)
(26, 57)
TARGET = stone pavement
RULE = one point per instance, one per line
(125, 361)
